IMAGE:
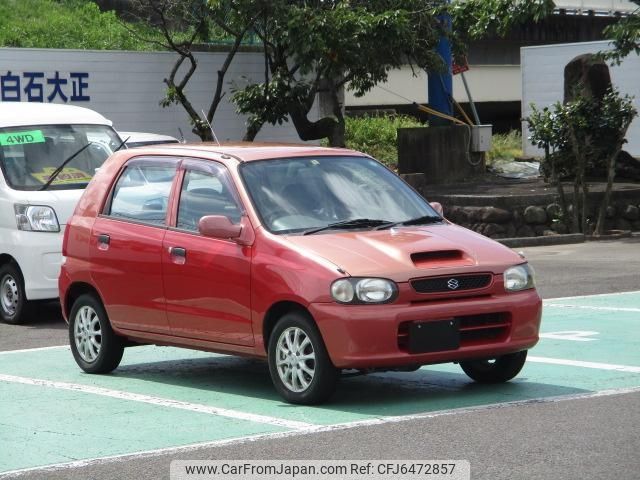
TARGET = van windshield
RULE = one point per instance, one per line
(29, 155)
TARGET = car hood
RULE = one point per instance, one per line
(409, 252)
(62, 201)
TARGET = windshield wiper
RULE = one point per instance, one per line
(356, 222)
(57, 171)
(426, 219)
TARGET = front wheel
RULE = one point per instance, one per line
(495, 370)
(13, 300)
(300, 367)
(95, 347)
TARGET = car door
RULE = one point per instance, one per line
(126, 245)
(206, 280)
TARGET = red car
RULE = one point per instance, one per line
(319, 260)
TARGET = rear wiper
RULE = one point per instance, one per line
(356, 222)
(414, 221)
(57, 171)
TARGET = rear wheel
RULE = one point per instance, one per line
(495, 370)
(13, 301)
(95, 347)
(299, 364)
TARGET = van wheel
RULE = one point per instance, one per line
(14, 306)
(95, 347)
(495, 370)
(300, 367)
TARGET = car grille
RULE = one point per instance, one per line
(474, 329)
(451, 283)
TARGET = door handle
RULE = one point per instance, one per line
(104, 238)
(178, 252)
(103, 241)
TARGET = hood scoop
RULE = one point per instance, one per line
(441, 258)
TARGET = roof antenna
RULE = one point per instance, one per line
(210, 127)
(182, 140)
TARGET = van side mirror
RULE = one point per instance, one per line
(218, 226)
(437, 206)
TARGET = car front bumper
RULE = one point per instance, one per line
(373, 336)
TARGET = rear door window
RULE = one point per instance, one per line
(142, 192)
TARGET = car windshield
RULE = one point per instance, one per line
(311, 194)
(29, 155)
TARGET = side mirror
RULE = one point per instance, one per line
(437, 206)
(218, 226)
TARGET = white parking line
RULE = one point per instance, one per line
(162, 402)
(614, 294)
(317, 429)
(588, 307)
(579, 363)
(26, 350)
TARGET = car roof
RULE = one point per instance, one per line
(14, 114)
(252, 151)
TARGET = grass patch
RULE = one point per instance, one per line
(377, 136)
(505, 146)
(68, 24)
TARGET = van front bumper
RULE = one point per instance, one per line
(374, 336)
(39, 256)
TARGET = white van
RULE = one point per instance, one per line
(48, 155)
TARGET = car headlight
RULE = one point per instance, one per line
(364, 290)
(36, 218)
(518, 278)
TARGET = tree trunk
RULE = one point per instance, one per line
(555, 179)
(611, 173)
(252, 131)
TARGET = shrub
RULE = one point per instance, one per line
(377, 135)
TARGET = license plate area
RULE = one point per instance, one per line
(436, 336)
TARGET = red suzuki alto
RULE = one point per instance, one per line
(318, 260)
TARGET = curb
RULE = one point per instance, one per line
(541, 241)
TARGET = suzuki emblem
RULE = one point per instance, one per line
(453, 283)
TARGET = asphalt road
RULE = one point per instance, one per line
(572, 439)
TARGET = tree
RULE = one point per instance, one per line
(182, 23)
(584, 132)
(625, 35)
(320, 46)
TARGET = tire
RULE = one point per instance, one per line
(95, 347)
(496, 370)
(312, 380)
(14, 306)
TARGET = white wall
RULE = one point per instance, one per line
(543, 83)
(126, 87)
(488, 83)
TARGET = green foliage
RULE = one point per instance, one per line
(476, 19)
(625, 34)
(505, 146)
(67, 24)
(377, 136)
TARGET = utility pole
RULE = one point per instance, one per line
(440, 85)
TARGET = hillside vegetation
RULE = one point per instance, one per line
(67, 24)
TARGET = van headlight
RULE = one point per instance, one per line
(518, 278)
(36, 218)
(364, 290)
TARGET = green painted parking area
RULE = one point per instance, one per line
(160, 398)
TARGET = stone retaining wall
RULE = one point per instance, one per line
(536, 220)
